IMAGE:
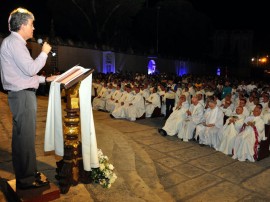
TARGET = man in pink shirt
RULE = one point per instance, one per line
(19, 77)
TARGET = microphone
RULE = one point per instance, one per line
(40, 41)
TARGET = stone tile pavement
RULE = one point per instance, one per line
(149, 167)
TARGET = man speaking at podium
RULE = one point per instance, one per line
(19, 77)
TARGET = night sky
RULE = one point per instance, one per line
(240, 14)
(224, 14)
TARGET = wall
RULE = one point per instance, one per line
(67, 57)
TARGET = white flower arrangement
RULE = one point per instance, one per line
(103, 175)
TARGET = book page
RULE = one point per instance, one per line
(71, 74)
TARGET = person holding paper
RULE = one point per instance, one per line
(19, 77)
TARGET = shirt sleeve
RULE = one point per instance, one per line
(25, 62)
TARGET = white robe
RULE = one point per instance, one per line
(189, 124)
(101, 104)
(228, 134)
(102, 94)
(136, 109)
(154, 98)
(178, 93)
(173, 123)
(245, 140)
(209, 135)
(120, 110)
(227, 111)
(110, 103)
(116, 104)
(145, 93)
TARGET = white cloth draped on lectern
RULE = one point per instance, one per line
(88, 132)
(54, 130)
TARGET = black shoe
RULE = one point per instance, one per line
(38, 176)
(35, 184)
(162, 132)
(112, 116)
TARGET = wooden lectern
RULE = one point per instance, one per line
(70, 169)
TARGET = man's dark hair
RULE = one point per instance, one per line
(259, 106)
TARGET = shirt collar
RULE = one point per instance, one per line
(16, 34)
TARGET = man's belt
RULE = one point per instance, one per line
(31, 89)
(28, 89)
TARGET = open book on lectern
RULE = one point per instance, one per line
(73, 76)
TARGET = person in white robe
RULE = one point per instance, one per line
(194, 116)
(230, 130)
(98, 87)
(102, 93)
(242, 103)
(200, 97)
(172, 124)
(250, 87)
(120, 108)
(178, 93)
(136, 107)
(217, 100)
(250, 103)
(122, 98)
(265, 102)
(152, 102)
(187, 94)
(100, 103)
(228, 97)
(247, 141)
(256, 101)
(145, 91)
(191, 89)
(227, 108)
(110, 103)
(242, 86)
(208, 130)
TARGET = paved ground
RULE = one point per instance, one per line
(149, 167)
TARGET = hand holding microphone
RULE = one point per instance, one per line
(46, 47)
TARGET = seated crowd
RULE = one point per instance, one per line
(230, 117)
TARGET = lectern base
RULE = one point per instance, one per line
(42, 194)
